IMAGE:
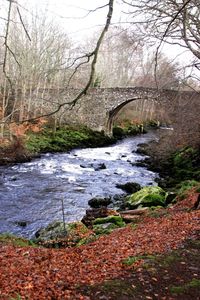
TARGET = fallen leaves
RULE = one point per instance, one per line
(39, 273)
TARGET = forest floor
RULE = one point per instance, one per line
(157, 258)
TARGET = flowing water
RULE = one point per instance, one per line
(31, 193)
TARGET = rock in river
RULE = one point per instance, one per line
(92, 214)
(147, 197)
(99, 202)
(129, 187)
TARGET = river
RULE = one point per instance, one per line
(31, 193)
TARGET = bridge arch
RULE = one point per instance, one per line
(111, 115)
(99, 107)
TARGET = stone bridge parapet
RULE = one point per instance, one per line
(99, 106)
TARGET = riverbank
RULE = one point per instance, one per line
(30, 145)
(148, 260)
(173, 166)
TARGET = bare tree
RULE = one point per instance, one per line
(175, 22)
(168, 73)
(39, 59)
(119, 58)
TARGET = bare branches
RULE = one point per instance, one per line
(21, 20)
(77, 62)
(164, 35)
(87, 56)
(172, 21)
(85, 15)
(6, 43)
(95, 56)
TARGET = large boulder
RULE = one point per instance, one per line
(99, 202)
(53, 231)
(129, 187)
(56, 231)
(108, 224)
(92, 214)
(99, 167)
(148, 196)
(105, 228)
(117, 220)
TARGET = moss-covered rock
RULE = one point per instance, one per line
(95, 213)
(107, 225)
(53, 231)
(105, 228)
(56, 230)
(128, 129)
(117, 220)
(147, 197)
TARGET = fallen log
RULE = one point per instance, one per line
(134, 211)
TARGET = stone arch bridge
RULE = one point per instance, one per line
(100, 106)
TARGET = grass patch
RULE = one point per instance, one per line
(65, 139)
(158, 213)
(120, 288)
(186, 185)
(132, 259)
(87, 240)
(7, 238)
(168, 260)
(194, 283)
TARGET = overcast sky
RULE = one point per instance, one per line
(73, 15)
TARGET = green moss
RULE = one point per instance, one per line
(134, 226)
(117, 220)
(120, 288)
(132, 259)
(170, 259)
(177, 289)
(77, 227)
(184, 158)
(107, 225)
(128, 129)
(64, 139)
(15, 241)
(87, 240)
(55, 232)
(185, 164)
(183, 187)
(194, 244)
(194, 283)
(104, 228)
(147, 197)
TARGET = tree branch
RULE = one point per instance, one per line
(21, 20)
(94, 53)
(164, 35)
